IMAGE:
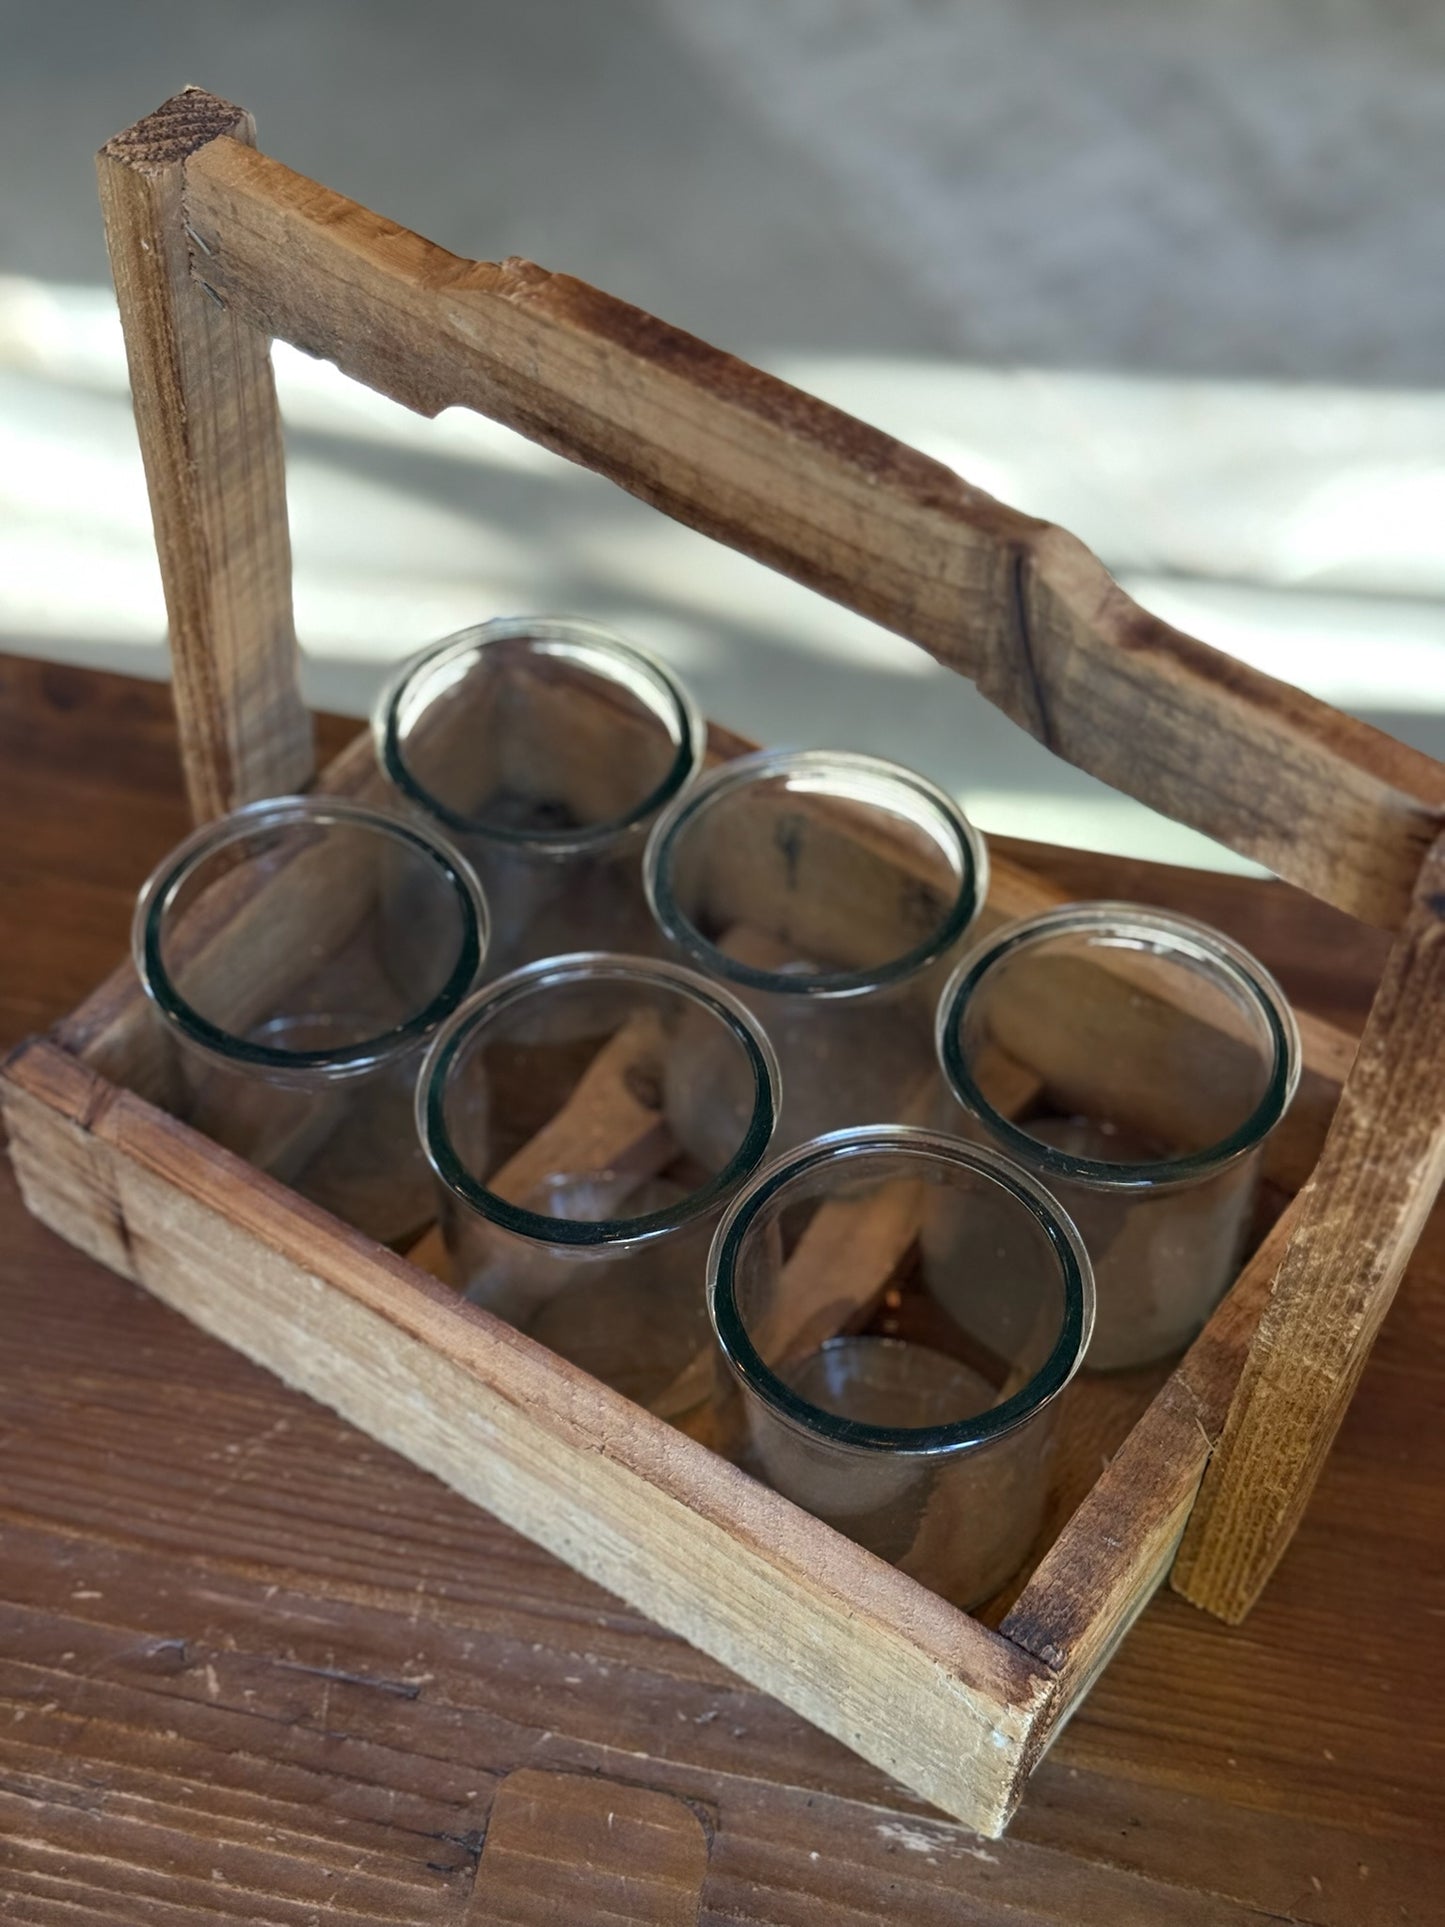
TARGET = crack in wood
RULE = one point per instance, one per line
(1042, 725)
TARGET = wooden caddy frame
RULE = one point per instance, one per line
(217, 248)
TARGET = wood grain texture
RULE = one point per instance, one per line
(254, 1668)
(115, 1031)
(1103, 1577)
(241, 1637)
(1360, 1217)
(186, 1205)
(1025, 880)
(114, 1027)
(48, 1104)
(842, 1261)
(236, 1254)
(1328, 963)
(210, 435)
(612, 1126)
(1083, 1597)
(1051, 640)
(741, 1572)
(1017, 606)
(563, 1848)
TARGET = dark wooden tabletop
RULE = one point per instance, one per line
(254, 1668)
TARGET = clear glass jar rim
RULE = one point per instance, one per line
(760, 766)
(594, 966)
(543, 631)
(1076, 1322)
(1188, 938)
(280, 812)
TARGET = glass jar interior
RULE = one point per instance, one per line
(1110, 1043)
(897, 1312)
(570, 1099)
(304, 935)
(900, 1296)
(814, 872)
(539, 732)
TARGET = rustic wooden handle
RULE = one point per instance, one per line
(1016, 605)
(216, 247)
(1358, 1221)
(205, 408)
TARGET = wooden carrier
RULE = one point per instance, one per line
(216, 249)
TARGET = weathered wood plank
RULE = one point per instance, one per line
(935, 1698)
(1017, 606)
(612, 1122)
(1107, 1562)
(210, 435)
(1360, 1217)
(282, 1630)
(115, 1029)
(604, 1126)
(49, 1103)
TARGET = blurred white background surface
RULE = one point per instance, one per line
(1167, 279)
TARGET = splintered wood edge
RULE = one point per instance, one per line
(939, 1702)
(1018, 606)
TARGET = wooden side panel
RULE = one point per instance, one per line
(210, 434)
(938, 1701)
(1107, 1563)
(1359, 1219)
(1017, 606)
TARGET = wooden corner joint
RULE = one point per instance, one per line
(1039, 1718)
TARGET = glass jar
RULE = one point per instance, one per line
(543, 748)
(582, 1169)
(830, 891)
(1135, 1063)
(301, 951)
(897, 1311)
